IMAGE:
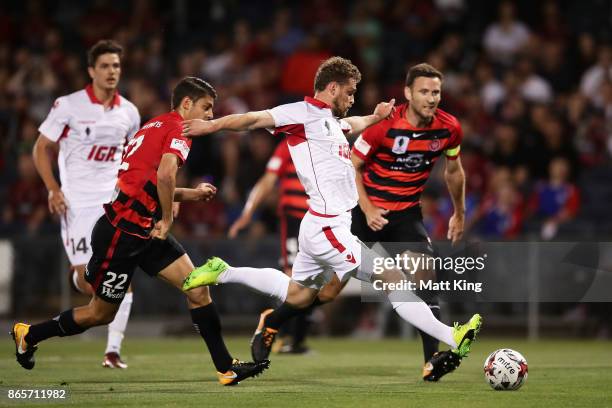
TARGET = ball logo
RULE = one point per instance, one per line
(400, 144)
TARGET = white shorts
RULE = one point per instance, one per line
(326, 246)
(77, 224)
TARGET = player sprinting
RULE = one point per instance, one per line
(292, 206)
(315, 133)
(393, 160)
(133, 232)
(90, 127)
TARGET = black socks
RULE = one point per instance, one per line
(206, 322)
(281, 315)
(62, 326)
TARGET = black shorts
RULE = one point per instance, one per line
(116, 254)
(404, 226)
(290, 229)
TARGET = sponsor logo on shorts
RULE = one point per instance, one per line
(350, 258)
(110, 293)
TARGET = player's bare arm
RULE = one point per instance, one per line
(374, 215)
(203, 192)
(361, 123)
(260, 191)
(455, 181)
(41, 154)
(166, 184)
(236, 122)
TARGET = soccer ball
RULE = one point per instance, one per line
(505, 369)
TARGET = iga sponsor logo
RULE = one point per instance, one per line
(104, 153)
(344, 151)
(181, 146)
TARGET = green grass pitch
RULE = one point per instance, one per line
(343, 372)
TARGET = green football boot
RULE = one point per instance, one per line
(206, 274)
(465, 334)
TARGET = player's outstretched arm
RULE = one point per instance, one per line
(203, 192)
(260, 191)
(236, 122)
(42, 160)
(361, 123)
(455, 181)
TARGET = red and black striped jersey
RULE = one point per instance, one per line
(135, 206)
(399, 157)
(293, 197)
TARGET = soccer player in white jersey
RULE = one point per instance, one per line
(90, 128)
(316, 130)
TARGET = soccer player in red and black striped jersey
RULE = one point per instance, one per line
(134, 232)
(393, 160)
(292, 206)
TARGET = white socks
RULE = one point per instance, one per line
(116, 328)
(268, 281)
(420, 316)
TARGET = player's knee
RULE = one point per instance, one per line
(199, 296)
(97, 317)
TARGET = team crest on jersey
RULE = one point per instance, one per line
(434, 145)
(400, 144)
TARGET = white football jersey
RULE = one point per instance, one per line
(320, 152)
(91, 141)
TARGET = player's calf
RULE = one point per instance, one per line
(97, 313)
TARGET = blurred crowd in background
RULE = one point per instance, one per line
(530, 82)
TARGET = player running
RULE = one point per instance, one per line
(134, 232)
(393, 160)
(316, 134)
(90, 128)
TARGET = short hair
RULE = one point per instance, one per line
(192, 87)
(335, 69)
(103, 47)
(422, 70)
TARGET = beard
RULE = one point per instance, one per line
(424, 117)
(337, 111)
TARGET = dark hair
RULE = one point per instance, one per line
(103, 47)
(422, 70)
(335, 69)
(193, 88)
